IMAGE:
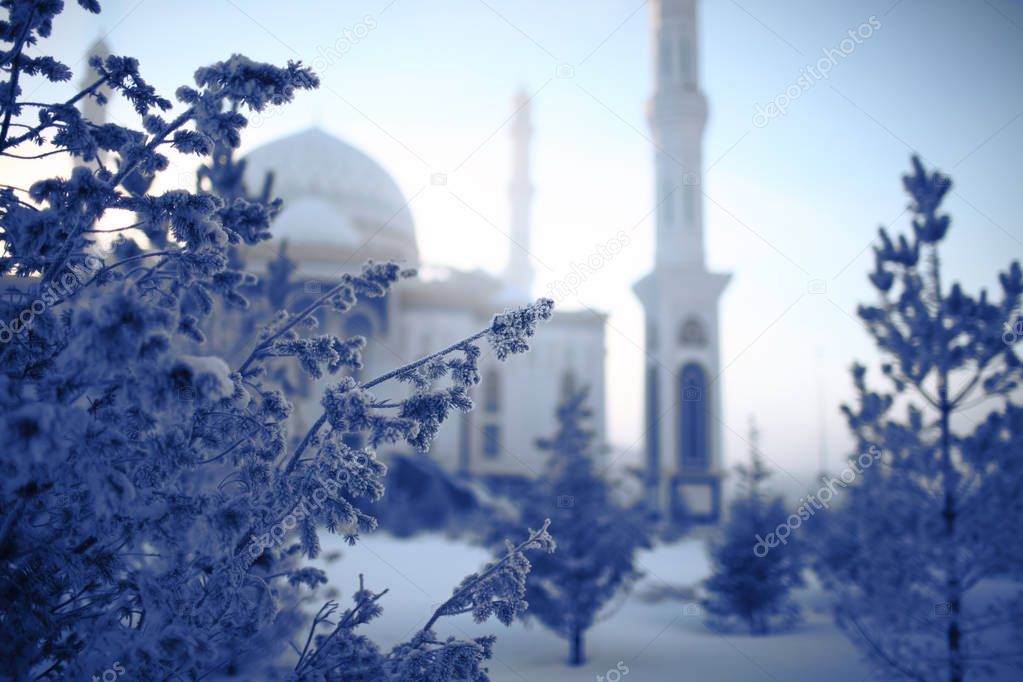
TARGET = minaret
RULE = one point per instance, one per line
(518, 273)
(677, 113)
(680, 296)
(91, 109)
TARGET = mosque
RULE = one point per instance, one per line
(342, 208)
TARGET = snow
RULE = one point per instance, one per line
(211, 366)
(665, 641)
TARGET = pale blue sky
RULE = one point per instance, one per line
(428, 88)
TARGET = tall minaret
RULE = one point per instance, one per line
(518, 273)
(680, 296)
(677, 112)
(92, 110)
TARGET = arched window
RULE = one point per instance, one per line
(692, 333)
(693, 427)
(492, 391)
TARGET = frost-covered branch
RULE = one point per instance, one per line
(123, 424)
(476, 592)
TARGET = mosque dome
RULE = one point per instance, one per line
(315, 220)
(334, 196)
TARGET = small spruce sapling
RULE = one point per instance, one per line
(597, 539)
(746, 587)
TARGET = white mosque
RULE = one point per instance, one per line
(342, 208)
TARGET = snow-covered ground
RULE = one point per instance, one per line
(655, 642)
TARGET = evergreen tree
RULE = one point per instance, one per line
(157, 509)
(939, 513)
(597, 539)
(747, 586)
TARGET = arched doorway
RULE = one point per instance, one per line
(693, 420)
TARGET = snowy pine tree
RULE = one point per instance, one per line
(156, 507)
(747, 587)
(926, 534)
(597, 539)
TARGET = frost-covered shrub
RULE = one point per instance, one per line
(155, 507)
(597, 538)
(747, 588)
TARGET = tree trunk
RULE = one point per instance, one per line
(949, 512)
(577, 657)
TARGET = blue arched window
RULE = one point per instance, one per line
(693, 428)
